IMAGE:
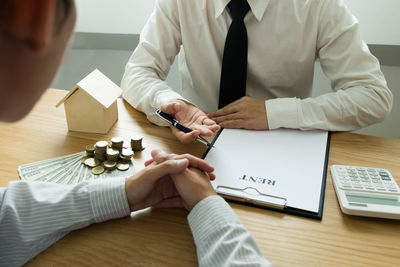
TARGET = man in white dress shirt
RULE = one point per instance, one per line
(285, 38)
(34, 215)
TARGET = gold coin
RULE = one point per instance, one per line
(92, 162)
(117, 146)
(123, 159)
(90, 148)
(98, 170)
(83, 159)
(127, 153)
(136, 137)
(101, 145)
(117, 140)
(112, 152)
(100, 152)
(136, 143)
(109, 165)
(123, 166)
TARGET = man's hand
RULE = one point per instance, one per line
(159, 156)
(246, 113)
(192, 185)
(153, 185)
(192, 117)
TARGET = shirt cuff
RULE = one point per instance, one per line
(108, 199)
(282, 113)
(209, 214)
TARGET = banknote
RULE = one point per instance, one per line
(67, 169)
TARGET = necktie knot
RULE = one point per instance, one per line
(238, 9)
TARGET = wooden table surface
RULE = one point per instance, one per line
(163, 238)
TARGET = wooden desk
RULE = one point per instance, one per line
(163, 238)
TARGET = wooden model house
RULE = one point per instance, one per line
(91, 106)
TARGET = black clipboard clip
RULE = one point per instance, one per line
(252, 195)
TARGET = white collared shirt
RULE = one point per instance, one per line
(285, 37)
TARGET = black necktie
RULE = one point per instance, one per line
(234, 62)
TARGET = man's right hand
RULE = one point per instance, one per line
(193, 185)
(192, 117)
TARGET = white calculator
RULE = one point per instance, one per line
(366, 191)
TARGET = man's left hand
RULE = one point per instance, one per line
(246, 113)
(153, 186)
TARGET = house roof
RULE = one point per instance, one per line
(97, 85)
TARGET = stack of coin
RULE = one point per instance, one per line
(112, 154)
(90, 150)
(110, 165)
(126, 155)
(136, 143)
(117, 143)
(100, 150)
(112, 158)
(100, 157)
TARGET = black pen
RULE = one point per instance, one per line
(180, 126)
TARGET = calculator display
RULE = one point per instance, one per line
(372, 200)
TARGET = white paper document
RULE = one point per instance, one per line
(283, 167)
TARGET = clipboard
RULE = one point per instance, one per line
(249, 191)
